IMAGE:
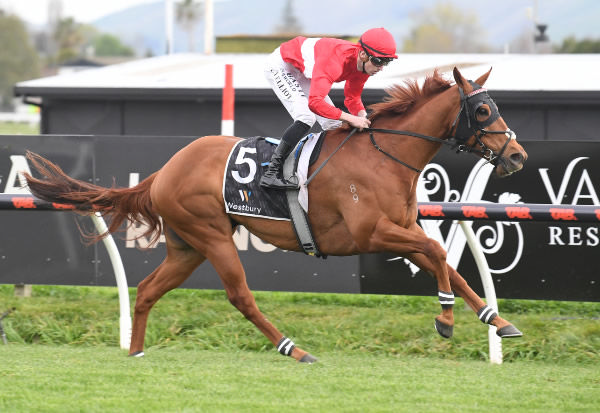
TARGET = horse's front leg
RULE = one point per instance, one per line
(462, 288)
(412, 240)
(486, 314)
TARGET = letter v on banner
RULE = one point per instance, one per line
(556, 198)
(473, 191)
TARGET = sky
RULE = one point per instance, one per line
(85, 11)
(554, 12)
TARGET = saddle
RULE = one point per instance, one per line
(243, 194)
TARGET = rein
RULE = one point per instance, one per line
(462, 126)
(407, 133)
(487, 153)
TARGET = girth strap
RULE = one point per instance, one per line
(299, 218)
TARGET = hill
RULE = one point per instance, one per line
(143, 26)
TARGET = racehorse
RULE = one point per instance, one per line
(362, 201)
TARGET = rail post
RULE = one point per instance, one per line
(27, 202)
(495, 342)
(486, 211)
(119, 270)
(227, 124)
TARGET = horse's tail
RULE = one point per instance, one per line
(133, 204)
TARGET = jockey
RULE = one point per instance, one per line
(301, 72)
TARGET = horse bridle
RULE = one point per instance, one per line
(469, 105)
(465, 125)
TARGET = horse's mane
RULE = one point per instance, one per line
(401, 99)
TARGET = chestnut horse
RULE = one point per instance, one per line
(196, 226)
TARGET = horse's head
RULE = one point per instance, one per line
(481, 129)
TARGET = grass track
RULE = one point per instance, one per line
(41, 378)
(319, 323)
(376, 353)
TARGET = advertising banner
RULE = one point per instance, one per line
(538, 260)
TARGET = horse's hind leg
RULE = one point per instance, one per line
(226, 261)
(462, 288)
(180, 262)
(222, 254)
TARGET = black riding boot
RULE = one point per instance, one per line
(273, 176)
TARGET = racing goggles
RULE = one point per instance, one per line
(379, 61)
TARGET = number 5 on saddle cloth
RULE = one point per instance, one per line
(243, 194)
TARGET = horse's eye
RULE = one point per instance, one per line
(482, 111)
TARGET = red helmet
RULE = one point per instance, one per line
(378, 42)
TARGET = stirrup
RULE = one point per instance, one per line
(274, 182)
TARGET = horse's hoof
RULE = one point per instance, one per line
(137, 354)
(308, 358)
(444, 329)
(508, 331)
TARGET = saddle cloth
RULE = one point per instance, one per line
(247, 161)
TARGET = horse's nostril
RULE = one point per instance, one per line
(516, 158)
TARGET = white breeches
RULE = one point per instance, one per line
(292, 88)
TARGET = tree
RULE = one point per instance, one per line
(290, 23)
(109, 45)
(188, 13)
(69, 38)
(444, 29)
(18, 59)
(74, 40)
(572, 45)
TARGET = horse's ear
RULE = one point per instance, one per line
(483, 78)
(460, 80)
